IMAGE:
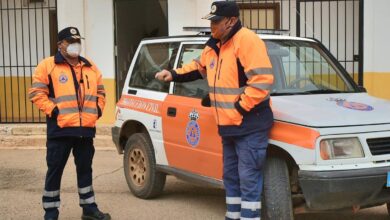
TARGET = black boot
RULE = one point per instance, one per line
(98, 215)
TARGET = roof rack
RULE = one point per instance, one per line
(207, 31)
(201, 30)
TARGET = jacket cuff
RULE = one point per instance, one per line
(240, 109)
(54, 113)
(99, 111)
(174, 75)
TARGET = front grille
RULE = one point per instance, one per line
(379, 146)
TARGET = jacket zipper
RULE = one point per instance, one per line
(219, 71)
(80, 109)
(87, 81)
(215, 99)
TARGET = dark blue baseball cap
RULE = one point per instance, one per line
(222, 9)
(69, 33)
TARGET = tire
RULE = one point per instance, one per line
(276, 200)
(139, 164)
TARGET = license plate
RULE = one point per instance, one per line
(388, 179)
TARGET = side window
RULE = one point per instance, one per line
(151, 59)
(198, 88)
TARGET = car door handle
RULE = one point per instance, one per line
(132, 91)
(171, 112)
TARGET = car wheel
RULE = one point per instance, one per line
(139, 165)
(276, 201)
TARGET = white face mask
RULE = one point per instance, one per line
(74, 49)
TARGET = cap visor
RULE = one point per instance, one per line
(213, 17)
(76, 37)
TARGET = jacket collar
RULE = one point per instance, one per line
(58, 58)
(213, 43)
(237, 26)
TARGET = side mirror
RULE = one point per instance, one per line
(206, 102)
(362, 89)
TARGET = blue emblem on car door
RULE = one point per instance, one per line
(193, 129)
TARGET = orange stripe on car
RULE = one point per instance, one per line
(294, 134)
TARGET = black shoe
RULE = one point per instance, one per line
(98, 215)
(51, 218)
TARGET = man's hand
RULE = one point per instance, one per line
(164, 75)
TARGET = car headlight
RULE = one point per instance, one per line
(341, 148)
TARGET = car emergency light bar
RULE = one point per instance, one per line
(207, 31)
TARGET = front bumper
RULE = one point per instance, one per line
(330, 190)
(115, 132)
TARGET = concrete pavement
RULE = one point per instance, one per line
(22, 177)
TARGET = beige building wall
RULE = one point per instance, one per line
(377, 47)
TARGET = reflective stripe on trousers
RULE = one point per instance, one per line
(243, 158)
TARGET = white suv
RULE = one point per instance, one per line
(329, 147)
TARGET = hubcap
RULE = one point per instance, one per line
(138, 167)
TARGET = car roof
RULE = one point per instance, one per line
(206, 37)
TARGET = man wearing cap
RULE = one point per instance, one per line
(239, 74)
(68, 88)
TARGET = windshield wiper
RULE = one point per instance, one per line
(325, 91)
(308, 92)
(289, 93)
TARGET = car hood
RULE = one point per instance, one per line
(329, 110)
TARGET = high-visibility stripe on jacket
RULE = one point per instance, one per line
(239, 74)
(77, 91)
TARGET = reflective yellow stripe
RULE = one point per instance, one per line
(255, 218)
(90, 110)
(227, 91)
(68, 110)
(262, 86)
(33, 94)
(47, 205)
(225, 105)
(233, 200)
(258, 71)
(90, 200)
(251, 205)
(66, 98)
(51, 193)
(53, 100)
(90, 98)
(85, 190)
(233, 215)
(39, 85)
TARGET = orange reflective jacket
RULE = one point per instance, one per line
(239, 74)
(76, 91)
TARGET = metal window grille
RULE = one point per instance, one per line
(338, 24)
(27, 35)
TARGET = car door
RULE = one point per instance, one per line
(191, 138)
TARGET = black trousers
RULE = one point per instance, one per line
(58, 151)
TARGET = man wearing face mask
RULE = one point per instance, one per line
(68, 88)
(239, 74)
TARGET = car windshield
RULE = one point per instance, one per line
(302, 67)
